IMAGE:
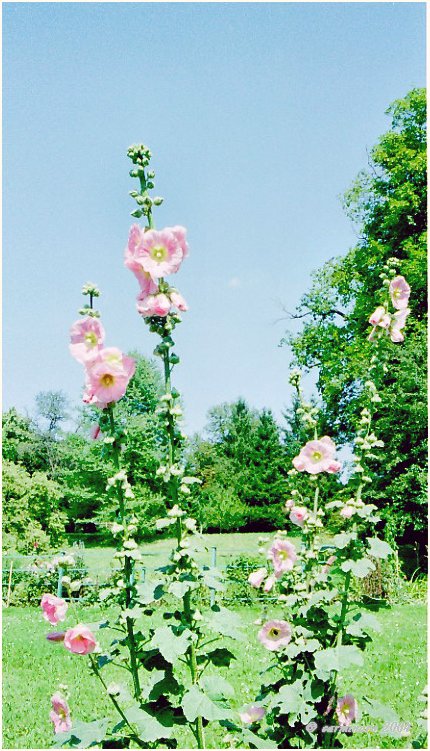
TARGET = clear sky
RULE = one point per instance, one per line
(258, 117)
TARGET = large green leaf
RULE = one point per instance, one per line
(149, 592)
(196, 704)
(343, 539)
(336, 658)
(220, 657)
(170, 645)
(379, 548)
(216, 687)
(148, 727)
(363, 622)
(290, 698)
(83, 734)
(225, 622)
(360, 568)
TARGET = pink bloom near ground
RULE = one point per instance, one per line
(80, 640)
(54, 608)
(60, 714)
(275, 635)
(283, 556)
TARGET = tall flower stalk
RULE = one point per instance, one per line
(155, 655)
(323, 630)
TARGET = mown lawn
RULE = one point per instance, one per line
(394, 673)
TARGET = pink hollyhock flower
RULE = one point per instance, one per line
(252, 713)
(108, 377)
(132, 262)
(346, 710)
(275, 634)
(257, 577)
(87, 336)
(180, 234)
(398, 322)
(270, 581)
(56, 636)
(298, 515)
(283, 556)
(80, 640)
(60, 714)
(289, 504)
(157, 253)
(178, 301)
(347, 512)
(399, 292)
(153, 305)
(317, 456)
(54, 608)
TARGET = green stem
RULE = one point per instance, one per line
(128, 570)
(344, 608)
(114, 701)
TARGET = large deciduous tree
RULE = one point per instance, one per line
(387, 203)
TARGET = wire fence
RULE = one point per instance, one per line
(17, 568)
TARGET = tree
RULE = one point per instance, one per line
(387, 202)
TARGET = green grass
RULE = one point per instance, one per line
(394, 670)
(154, 554)
(394, 673)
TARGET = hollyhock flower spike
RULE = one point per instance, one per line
(283, 556)
(317, 456)
(87, 336)
(346, 710)
(60, 714)
(257, 577)
(80, 640)
(298, 515)
(275, 635)
(54, 608)
(252, 713)
(399, 291)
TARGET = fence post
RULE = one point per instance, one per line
(9, 585)
(60, 578)
(213, 565)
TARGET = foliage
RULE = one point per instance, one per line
(242, 467)
(387, 203)
(31, 513)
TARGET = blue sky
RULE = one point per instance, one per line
(258, 116)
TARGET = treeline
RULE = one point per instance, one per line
(54, 481)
